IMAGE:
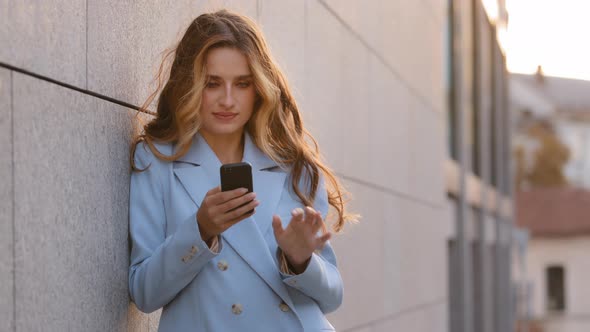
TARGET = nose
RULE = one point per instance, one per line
(227, 99)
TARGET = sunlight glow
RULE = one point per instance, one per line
(491, 8)
(549, 33)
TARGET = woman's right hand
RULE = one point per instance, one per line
(214, 215)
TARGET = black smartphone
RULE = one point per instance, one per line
(237, 175)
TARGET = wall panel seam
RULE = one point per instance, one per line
(71, 87)
(13, 190)
(431, 107)
(389, 191)
(432, 11)
(86, 44)
(398, 314)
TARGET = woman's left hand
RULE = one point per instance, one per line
(299, 240)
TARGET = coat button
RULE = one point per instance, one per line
(236, 308)
(194, 250)
(222, 265)
(284, 307)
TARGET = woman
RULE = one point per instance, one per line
(210, 266)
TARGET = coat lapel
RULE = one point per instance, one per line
(198, 169)
(198, 172)
(269, 181)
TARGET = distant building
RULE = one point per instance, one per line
(555, 212)
(565, 104)
(558, 220)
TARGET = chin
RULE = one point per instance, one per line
(223, 129)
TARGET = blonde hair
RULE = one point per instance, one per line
(275, 126)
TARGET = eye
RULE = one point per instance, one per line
(212, 84)
(244, 84)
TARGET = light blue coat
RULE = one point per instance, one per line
(240, 288)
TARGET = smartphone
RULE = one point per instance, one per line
(237, 175)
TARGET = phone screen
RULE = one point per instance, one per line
(237, 175)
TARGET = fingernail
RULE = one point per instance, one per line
(243, 190)
(297, 211)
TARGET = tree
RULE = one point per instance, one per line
(549, 158)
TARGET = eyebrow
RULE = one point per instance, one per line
(241, 77)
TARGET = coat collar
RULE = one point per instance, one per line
(198, 172)
(201, 154)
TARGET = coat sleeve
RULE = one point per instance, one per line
(161, 264)
(321, 279)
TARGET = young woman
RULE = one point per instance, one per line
(209, 263)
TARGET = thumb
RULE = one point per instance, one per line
(277, 226)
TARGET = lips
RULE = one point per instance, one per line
(225, 115)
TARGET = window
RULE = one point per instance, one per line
(466, 84)
(555, 288)
(449, 84)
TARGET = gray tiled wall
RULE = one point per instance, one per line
(372, 106)
(6, 206)
(45, 37)
(71, 196)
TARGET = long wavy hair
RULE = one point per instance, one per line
(275, 126)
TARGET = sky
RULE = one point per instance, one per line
(553, 34)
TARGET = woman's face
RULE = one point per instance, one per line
(229, 95)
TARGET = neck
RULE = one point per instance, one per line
(228, 148)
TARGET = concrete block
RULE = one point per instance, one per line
(438, 8)
(428, 154)
(407, 35)
(6, 204)
(418, 56)
(360, 250)
(45, 37)
(421, 319)
(337, 92)
(363, 329)
(137, 321)
(283, 24)
(389, 128)
(393, 221)
(71, 209)
(127, 40)
(322, 74)
(423, 246)
(364, 18)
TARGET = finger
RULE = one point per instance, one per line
(277, 227)
(318, 222)
(224, 196)
(234, 221)
(321, 241)
(297, 215)
(239, 212)
(213, 191)
(309, 215)
(233, 203)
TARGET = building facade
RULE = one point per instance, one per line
(479, 175)
(552, 135)
(557, 269)
(407, 102)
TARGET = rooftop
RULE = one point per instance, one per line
(551, 212)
